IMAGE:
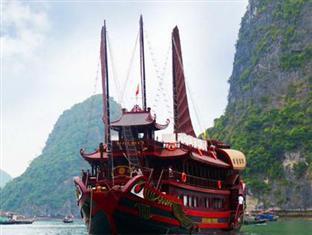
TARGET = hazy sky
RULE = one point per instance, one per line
(50, 55)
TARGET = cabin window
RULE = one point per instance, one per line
(217, 203)
(140, 135)
(184, 200)
(195, 202)
(214, 203)
(207, 202)
(189, 201)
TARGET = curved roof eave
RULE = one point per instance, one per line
(209, 160)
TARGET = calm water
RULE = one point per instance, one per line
(56, 227)
(282, 227)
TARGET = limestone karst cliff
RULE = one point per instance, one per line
(269, 111)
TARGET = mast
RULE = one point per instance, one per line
(182, 119)
(105, 92)
(142, 64)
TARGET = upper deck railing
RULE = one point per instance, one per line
(176, 138)
(183, 178)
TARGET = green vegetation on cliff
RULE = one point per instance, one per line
(265, 136)
(4, 178)
(269, 112)
(46, 187)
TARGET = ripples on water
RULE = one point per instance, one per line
(57, 227)
(45, 228)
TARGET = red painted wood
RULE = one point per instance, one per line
(214, 226)
(196, 189)
(153, 217)
(209, 214)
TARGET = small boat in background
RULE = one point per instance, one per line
(68, 219)
(267, 216)
(11, 218)
(250, 219)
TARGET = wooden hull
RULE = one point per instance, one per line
(120, 211)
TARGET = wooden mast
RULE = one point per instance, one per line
(105, 85)
(142, 65)
(105, 96)
(182, 119)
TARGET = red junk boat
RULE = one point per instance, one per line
(139, 185)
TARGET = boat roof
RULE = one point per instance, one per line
(209, 160)
(236, 158)
(164, 154)
(137, 117)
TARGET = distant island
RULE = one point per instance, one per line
(46, 188)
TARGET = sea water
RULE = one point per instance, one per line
(57, 227)
(51, 227)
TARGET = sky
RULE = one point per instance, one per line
(50, 61)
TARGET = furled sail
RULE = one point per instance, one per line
(182, 119)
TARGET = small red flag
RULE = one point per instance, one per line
(137, 90)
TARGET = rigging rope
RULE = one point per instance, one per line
(85, 142)
(160, 74)
(120, 100)
(114, 73)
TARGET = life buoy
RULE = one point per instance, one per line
(219, 184)
(171, 146)
(183, 177)
(121, 170)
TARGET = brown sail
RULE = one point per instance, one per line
(182, 119)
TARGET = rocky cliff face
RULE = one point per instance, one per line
(46, 188)
(269, 112)
(273, 53)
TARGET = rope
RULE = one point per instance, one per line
(115, 77)
(160, 74)
(196, 113)
(120, 100)
(85, 142)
